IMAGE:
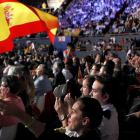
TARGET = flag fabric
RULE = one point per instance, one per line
(122, 41)
(42, 46)
(33, 46)
(80, 76)
(18, 19)
(28, 49)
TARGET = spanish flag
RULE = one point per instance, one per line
(28, 49)
(80, 76)
(18, 19)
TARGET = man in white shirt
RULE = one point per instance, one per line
(105, 90)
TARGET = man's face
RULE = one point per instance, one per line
(75, 118)
(74, 60)
(54, 69)
(85, 89)
(39, 71)
(97, 92)
(101, 71)
(93, 71)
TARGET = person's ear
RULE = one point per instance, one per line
(85, 121)
(8, 89)
(104, 72)
(106, 97)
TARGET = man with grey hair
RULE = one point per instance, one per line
(117, 62)
(42, 83)
(58, 75)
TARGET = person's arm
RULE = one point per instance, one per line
(10, 109)
(35, 53)
(65, 123)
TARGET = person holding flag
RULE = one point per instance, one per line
(29, 50)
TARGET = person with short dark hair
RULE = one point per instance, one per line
(88, 63)
(106, 69)
(70, 67)
(95, 69)
(105, 89)
(87, 85)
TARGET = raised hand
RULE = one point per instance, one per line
(60, 107)
(69, 101)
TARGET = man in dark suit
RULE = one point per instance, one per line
(58, 75)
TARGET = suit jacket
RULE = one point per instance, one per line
(58, 80)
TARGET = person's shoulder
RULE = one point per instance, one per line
(39, 79)
(93, 134)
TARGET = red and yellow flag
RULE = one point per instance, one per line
(122, 41)
(28, 49)
(18, 19)
(80, 76)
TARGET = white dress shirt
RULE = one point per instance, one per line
(110, 128)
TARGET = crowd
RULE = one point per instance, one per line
(101, 77)
(108, 44)
(92, 17)
(96, 97)
(96, 17)
(101, 17)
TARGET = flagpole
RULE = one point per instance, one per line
(132, 114)
(35, 51)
